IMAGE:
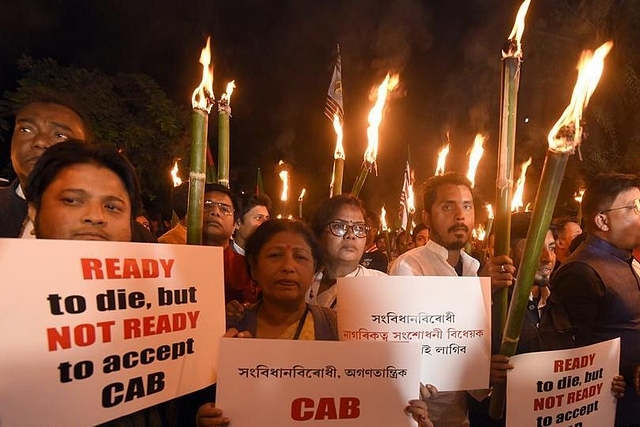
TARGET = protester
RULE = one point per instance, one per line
(596, 293)
(217, 227)
(339, 224)
(449, 214)
(283, 257)
(420, 235)
(82, 192)
(43, 121)
(565, 230)
(253, 210)
(373, 258)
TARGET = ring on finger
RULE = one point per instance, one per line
(502, 269)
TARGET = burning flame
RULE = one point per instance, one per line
(302, 193)
(411, 199)
(442, 158)
(202, 97)
(284, 176)
(516, 202)
(474, 157)
(174, 174)
(375, 116)
(226, 97)
(578, 196)
(566, 134)
(513, 47)
(489, 211)
(383, 219)
(478, 233)
(337, 126)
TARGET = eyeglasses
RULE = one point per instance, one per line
(224, 209)
(635, 206)
(340, 228)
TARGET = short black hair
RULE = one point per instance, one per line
(211, 186)
(417, 229)
(72, 152)
(268, 229)
(245, 202)
(560, 223)
(602, 191)
(430, 187)
(330, 207)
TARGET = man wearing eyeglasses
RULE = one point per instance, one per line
(596, 291)
(217, 228)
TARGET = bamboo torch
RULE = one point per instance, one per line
(284, 194)
(259, 183)
(224, 112)
(564, 137)
(177, 181)
(338, 159)
(475, 154)
(202, 100)
(375, 118)
(511, 62)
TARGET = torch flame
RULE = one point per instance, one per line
(566, 134)
(226, 97)
(513, 47)
(578, 196)
(489, 211)
(202, 97)
(174, 174)
(383, 219)
(284, 176)
(517, 202)
(375, 116)
(442, 158)
(411, 199)
(474, 157)
(337, 126)
(302, 193)
(478, 233)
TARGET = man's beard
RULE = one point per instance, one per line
(455, 245)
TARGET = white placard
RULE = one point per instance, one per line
(448, 316)
(92, 331)
(563, 387)
(289, 383)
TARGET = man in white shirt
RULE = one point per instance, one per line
(449, 214)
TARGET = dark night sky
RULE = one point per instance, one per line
(280, 52)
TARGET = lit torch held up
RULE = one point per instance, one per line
(563, 138)
(475, 155)
(202, 101)
(224, 112)
(338, 159)
(375, 118)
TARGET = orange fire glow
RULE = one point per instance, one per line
(442, 158)
(389, 83)
(474, 157)
(337, 127)
(478, 233)
(516, 202)
(566, 134)
(202, 97)
(383, 219)
(174, 174)
(514, 48)
(226, 97)
(489, 211)
(284, 176)
(302, 193)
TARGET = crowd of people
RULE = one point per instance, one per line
(280, 275)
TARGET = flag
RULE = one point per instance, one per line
(404, 198)
(334, 103)
(259, 183)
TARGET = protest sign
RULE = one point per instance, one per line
(448, 316)
(563, 387)
(288, 381)
(92, 331)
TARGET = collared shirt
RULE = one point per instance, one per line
(237, 248)
(28, 231)
(448, 409)
(177, 235)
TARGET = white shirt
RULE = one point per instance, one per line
(28, 231)
(448, 409)
(328, 297)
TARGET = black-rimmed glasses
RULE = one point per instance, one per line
(635, 206)
(340, 228)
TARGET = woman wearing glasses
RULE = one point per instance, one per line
(282, 257)
(340, 227)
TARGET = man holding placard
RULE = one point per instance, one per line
(449, 214)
